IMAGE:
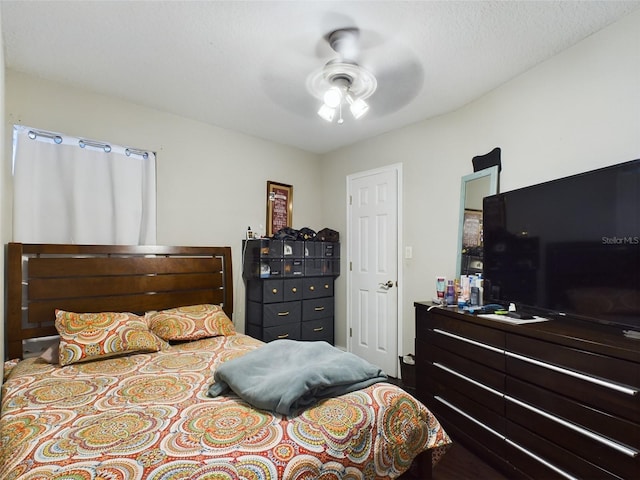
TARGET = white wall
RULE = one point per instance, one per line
(211, 182)
(576, 112)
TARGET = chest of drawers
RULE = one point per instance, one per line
(290, 290)
(541, 400)
(297, 309)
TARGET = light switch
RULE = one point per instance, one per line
(408, 252)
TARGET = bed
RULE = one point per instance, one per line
(135, 409)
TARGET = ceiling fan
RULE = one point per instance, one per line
(377, 69)
(342, 81)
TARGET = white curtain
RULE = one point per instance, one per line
(67, 194)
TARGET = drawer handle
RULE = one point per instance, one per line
(576, 428)
(283, 336)
(326, 285)
(312, 288)
(468, 340)
(610, 385)
(274, 291)
(283, 314)
(319, 329)
(464, 414)
(319, 309)
(294, 289)
(467, 379)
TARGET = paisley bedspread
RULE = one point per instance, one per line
(148, 416)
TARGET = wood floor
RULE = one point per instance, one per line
(460, 464)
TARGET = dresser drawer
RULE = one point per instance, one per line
(289, 332)
(472, 331)
(292, 289)
(462, 368)
(524, 450)
(471, 418)
(317, 308)
(445, 381)
(293, 248)
(281, 313)
(273, 291)
(316, 287)
(593, 447)
(318, 330)
(589, 390)
(466, 347)
(575, 412)
(265, 291)
(606, 383)
(617, 370)
(293, 267)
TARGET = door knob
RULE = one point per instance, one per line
(387, 285)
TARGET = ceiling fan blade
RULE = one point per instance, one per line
(396, 88)
(345, 43)
(399, 74)
(284, 80)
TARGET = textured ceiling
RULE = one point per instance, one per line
(243, 65)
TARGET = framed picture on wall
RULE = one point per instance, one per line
(279, 207)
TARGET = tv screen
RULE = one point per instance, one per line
(568, 247)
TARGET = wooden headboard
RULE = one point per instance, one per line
(98, 278)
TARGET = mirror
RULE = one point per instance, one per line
(473, 189)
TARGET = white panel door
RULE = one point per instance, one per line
(373, 256)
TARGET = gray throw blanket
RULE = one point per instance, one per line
(285, 375)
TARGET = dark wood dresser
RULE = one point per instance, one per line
(289, 289)
(556, 399)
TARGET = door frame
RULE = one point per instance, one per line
(397, 168)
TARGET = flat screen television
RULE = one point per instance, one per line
(568, 247)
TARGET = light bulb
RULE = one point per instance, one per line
(327, 113)
(333, 97)
(358, 107)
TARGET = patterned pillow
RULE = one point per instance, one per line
(190, 322)
(90, 336)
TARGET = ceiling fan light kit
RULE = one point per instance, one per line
(333, 97)
(327, 113)
(358, 106)
(342, 81)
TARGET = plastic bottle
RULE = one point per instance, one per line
(450, 293)
(475, 291)
(441, 287)
(466, 288)
(475, 296)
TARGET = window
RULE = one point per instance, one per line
(73, 190)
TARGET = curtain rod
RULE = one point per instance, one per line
(82, 143)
